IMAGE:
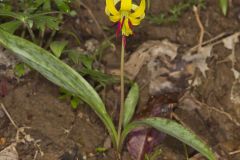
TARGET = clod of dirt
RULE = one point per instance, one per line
(7, 59)
(7, 63)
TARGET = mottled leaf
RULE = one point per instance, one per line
(131, 103)
(174, 129)
(59, 73)
(143, 140)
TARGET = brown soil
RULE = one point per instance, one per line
(35, 102)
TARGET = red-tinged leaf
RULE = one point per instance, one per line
(174, 129)
(143, 140)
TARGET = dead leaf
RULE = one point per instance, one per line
(230, 41)
(28, 138)
(9, 153)
(146, 52)
(235, 73)
(199, 60)
(235, 92)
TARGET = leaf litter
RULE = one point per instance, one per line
(10, 152)
(165, 69)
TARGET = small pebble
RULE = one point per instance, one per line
(91, 155)
(84, 157)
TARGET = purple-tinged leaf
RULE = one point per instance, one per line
(176, 130)
(143, 140)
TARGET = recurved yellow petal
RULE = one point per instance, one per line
(126, 5)
(139, 12)
(134, 21)
(110, 7)
(115, 18)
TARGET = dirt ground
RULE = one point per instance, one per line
(68, 134)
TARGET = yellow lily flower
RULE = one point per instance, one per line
(127, 16)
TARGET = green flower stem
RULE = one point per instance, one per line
(31, 33)
(120, 123)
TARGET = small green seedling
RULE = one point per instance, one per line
(175, 12)
(154, 155)
(101, 149)
(224, 6)
(20, 69)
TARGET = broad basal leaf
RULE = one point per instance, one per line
(131, 103)
(176, 130)
(143, 141)
(59, 73)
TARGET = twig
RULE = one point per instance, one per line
(234, 152)
(21, 130)
(94, 18)
(226, 114)
(35, 155)
(9, 117)
(214, 39)
(202, 30)
(177, 118)
(218, 111)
